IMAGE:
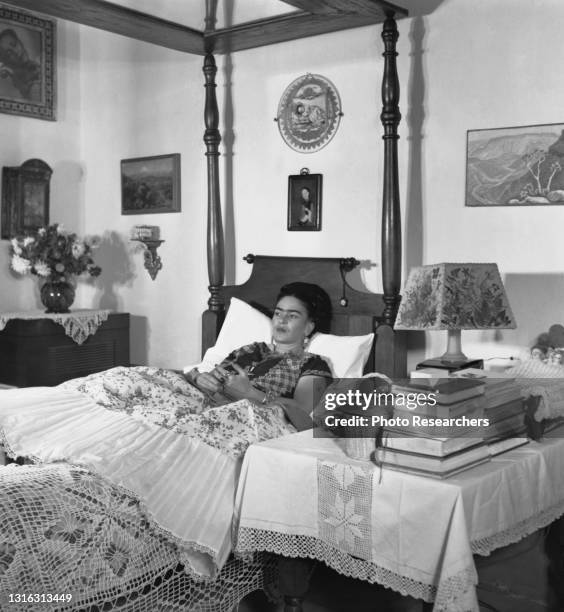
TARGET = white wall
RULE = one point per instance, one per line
(141, 100)
(483, 64)
(488, 63)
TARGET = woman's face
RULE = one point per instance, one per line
(305, 194)
(290, 322)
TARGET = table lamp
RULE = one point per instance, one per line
(454, 296)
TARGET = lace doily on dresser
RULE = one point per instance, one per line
(78, 324)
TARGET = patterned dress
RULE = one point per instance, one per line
(276, 373)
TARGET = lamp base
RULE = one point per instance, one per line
(450, 366)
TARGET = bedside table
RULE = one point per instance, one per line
(37, 352)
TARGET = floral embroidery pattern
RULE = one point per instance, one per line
(69, 528)
(7, 554)
(345, 521)
(344, 507)
(118, 553)
(166, 399)
(455, 296)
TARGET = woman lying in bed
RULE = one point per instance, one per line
(282, 373)
(258, 392)
(140, 455)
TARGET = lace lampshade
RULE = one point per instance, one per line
(454, 296)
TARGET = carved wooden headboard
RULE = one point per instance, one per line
(354, 312)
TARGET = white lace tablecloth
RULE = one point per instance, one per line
(78, 324)
(301, 496)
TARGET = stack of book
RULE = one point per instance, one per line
(441, 435)
(504, 410)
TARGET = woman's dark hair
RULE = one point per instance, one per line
(314, 298)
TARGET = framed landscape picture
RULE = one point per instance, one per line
(515, 166)
(27, 64)
(150, 184)
(304, 202)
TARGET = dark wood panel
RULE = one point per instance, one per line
(120, 20)
(318, 17)
(359, 7)
(38, 352)
(361, 315)
(270, 273)
(282, 28)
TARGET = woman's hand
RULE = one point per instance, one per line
(238, 386)
(209, 381)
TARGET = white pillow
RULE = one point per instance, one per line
(243, 325)
(346, 355)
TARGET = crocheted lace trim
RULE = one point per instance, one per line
(77, 325)
(451, 596)
(484, 546)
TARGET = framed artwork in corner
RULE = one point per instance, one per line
(515, 166)
(27, 64)
(304, 201)
(150, 184)
(25, 198)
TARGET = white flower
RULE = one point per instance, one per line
(61, 230)
(28, 240)
(78, 249)
(42, 269)
(16, 246)
(41, 231)
(20, 264)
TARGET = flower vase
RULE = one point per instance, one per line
(57, 296)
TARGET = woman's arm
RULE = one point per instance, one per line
(306, 396)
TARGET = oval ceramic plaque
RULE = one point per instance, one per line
(309, 113)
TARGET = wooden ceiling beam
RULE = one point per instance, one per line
(282, 28)
(374, 8)
(119, 20)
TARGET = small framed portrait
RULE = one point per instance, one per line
(27, 64)
(150, 184)
(304, 201)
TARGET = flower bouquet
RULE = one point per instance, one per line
(55, 255)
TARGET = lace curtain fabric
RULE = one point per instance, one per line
(78, 324)
(302, 496)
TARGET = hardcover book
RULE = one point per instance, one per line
(427, 445)
(431, 463)
(446, 391)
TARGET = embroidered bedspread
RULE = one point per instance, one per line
(132, 483)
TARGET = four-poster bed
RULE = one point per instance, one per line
(355, 313)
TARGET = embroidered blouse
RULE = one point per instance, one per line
(276, 373)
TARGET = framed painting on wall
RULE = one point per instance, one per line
(515, 166)
(150, 184)
(27, 64)
(304, 201)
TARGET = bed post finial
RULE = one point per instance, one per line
(213, 317)
(391, 215)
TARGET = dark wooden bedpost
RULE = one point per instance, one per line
(391, 215)
(389, 343)
(213, 316)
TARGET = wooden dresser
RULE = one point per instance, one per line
(37, 352)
